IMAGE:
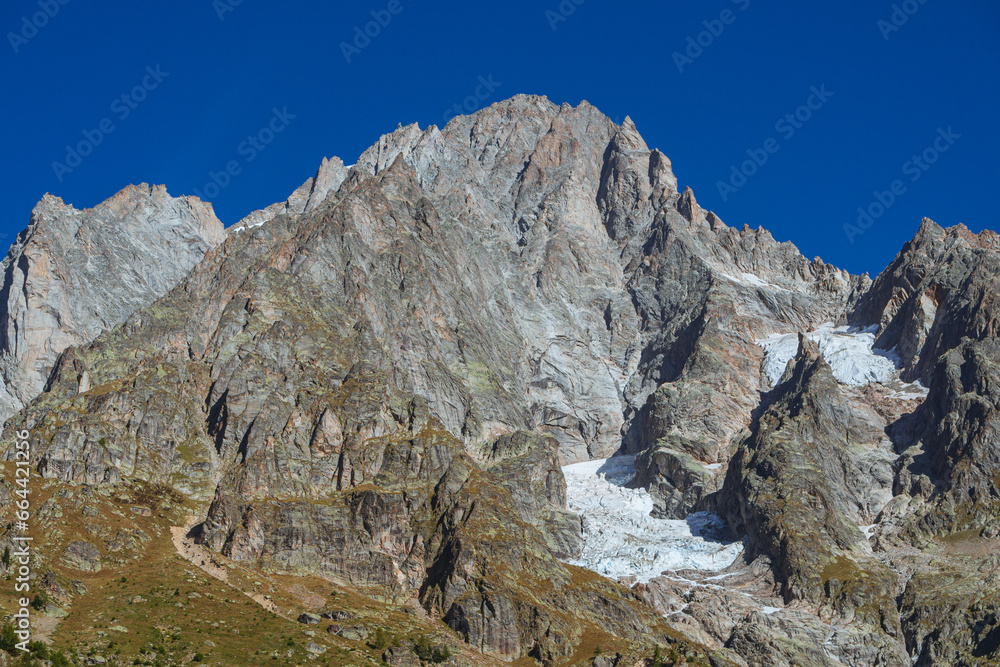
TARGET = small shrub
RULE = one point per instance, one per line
(380, 640)
(39, 650)
(8, 638)
(427, 653)
(39, 601)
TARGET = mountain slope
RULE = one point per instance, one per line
(376, 382)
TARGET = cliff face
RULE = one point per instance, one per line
(72, 275)
(377, 381)
(941, 288)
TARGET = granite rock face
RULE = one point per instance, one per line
(940, 289)
(815, 468)
(377, 381)
(72, 275)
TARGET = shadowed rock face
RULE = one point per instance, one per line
(74, 274)
(820, 461)
(813, 470)
(378, 380)
(943, 317)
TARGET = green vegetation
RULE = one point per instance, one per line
(36, 650)
(39, 601)
(428, 653)
(7, 638)
(380, 640)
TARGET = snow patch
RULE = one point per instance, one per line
(620, 538)
(245, 226)
(750, 280)
(851, 354)
(908, 391)
(771, 610)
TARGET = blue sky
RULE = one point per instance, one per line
(200, 77)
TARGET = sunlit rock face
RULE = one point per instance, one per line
(487, 352)
(72, 275)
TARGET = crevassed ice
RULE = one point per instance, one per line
(620, 538)
(849, 352)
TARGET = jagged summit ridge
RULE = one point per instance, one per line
(306, 198)
(73, 274)
(569, 217)
(382, 383)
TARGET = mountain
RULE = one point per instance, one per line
(71, 275)
(401, 384)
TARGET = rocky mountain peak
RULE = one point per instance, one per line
(379, 386)
(49, 203)
(628, 138)
(941, 283)
(76, 273)
(306, 198)
(687, 205)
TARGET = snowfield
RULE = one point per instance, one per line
(621, 539)
(850, 353)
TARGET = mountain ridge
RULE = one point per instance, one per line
(378, 381)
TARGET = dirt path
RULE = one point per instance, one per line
(207, 561)
(196, 553)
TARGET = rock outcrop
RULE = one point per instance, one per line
(72, 275)
(306, 198)
(941, 288)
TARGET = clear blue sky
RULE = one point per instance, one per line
(939, 69)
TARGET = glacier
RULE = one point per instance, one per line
(850, 352)
(621, 539)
